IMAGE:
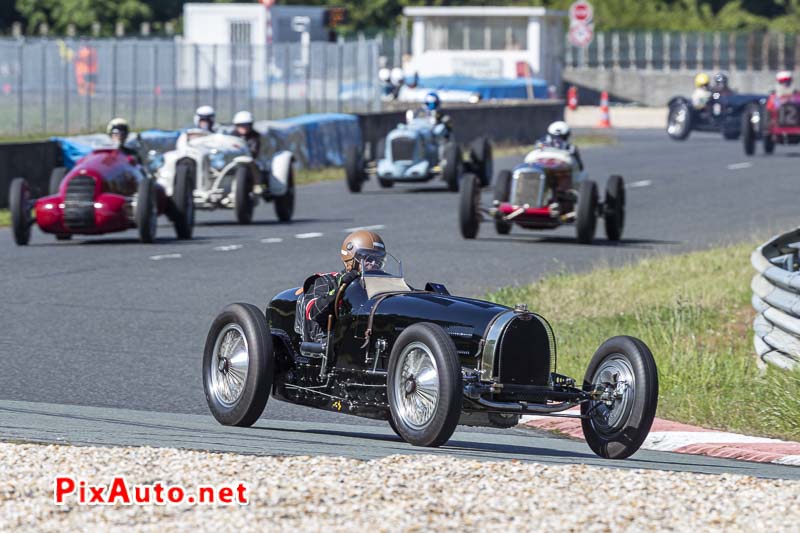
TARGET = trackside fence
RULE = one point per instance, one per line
(776, 299)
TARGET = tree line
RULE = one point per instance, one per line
(383, 15)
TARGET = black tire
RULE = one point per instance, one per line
(243, 201)
(748, 134)
(394, 426)
(482, 161)
(146, 212)
(502, 193)
(614, 208)
(19, 200)
(353, 168)
(63, 236)
(56, 176)
(183, 200)
(452, 162)
(586, 222)
(769, 144)
(679, 131)
(468, 216)
(245, 409)
(284, 205)
(385, 184)
(438, 428)
(618, 432)
(731, 135)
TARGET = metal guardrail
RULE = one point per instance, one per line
(776, 299)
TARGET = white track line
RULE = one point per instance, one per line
(271, 240)
(642, 183)
(312, 235)
(376, 226)
(165, 256)
(740, 166)
(227, 248)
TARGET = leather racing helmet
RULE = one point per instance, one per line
(361, 241)
(784, 77)
(701, 80)
(559, 130)
(205, 113)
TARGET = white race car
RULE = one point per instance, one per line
(225, 175)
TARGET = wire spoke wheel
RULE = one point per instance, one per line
(229, 365)
(616, 374)
(417, 385)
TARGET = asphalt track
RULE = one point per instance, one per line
(107, 322)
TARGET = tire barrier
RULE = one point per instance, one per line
(776, 299)
(32, 160)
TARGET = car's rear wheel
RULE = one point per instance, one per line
(353, 168)
(56, 176)
(679, 121)
(183, 201)
(614, 208)
(238, 365)
(146, 212)
(769, 144)
(20, 202)
(502, 194)
(243, 200)
(481, 156)
(284, 205)
(451, 173)
(468, 214)
(425, 385)
(586, 222)
(615, 428)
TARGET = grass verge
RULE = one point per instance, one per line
(306, 176)
(583, 140)
(5, 217)
(694, 312)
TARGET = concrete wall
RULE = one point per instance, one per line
(517, 123)
(653, 88)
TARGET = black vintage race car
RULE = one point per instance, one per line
(425, 361)
(723, 114)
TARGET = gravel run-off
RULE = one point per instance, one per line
(397, 493)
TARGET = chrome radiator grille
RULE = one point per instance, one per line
(403, 148)
(528, 188)
(79, 203)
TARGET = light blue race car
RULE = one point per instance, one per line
(421, 149)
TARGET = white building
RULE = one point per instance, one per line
(487, 42)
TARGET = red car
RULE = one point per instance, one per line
(106, 191)
(775, 120)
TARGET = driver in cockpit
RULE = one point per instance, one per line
(558, 134)
(361, 249)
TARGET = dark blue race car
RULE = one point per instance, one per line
(723, 113)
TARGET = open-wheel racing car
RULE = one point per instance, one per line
(773, 120)
(547, 190)
(225, 175)
(425, 361)
(106, 191)
(417, 151)
(722, 114)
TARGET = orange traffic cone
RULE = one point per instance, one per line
(605, 117)
(572, 98)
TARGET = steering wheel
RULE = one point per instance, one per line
(339, 295)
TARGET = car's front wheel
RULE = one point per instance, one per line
(452, 166)
(587, 212)
(748, 133)
(284, 205)
(424, 385)
(502, 194)
(183, 201)
(19, 199)
(353, 168)
(468, 215)
(624, 369)
(238, 365)
(243, 200)
(769, 144)
(614, 208)
(679, 121)
(146, 211)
